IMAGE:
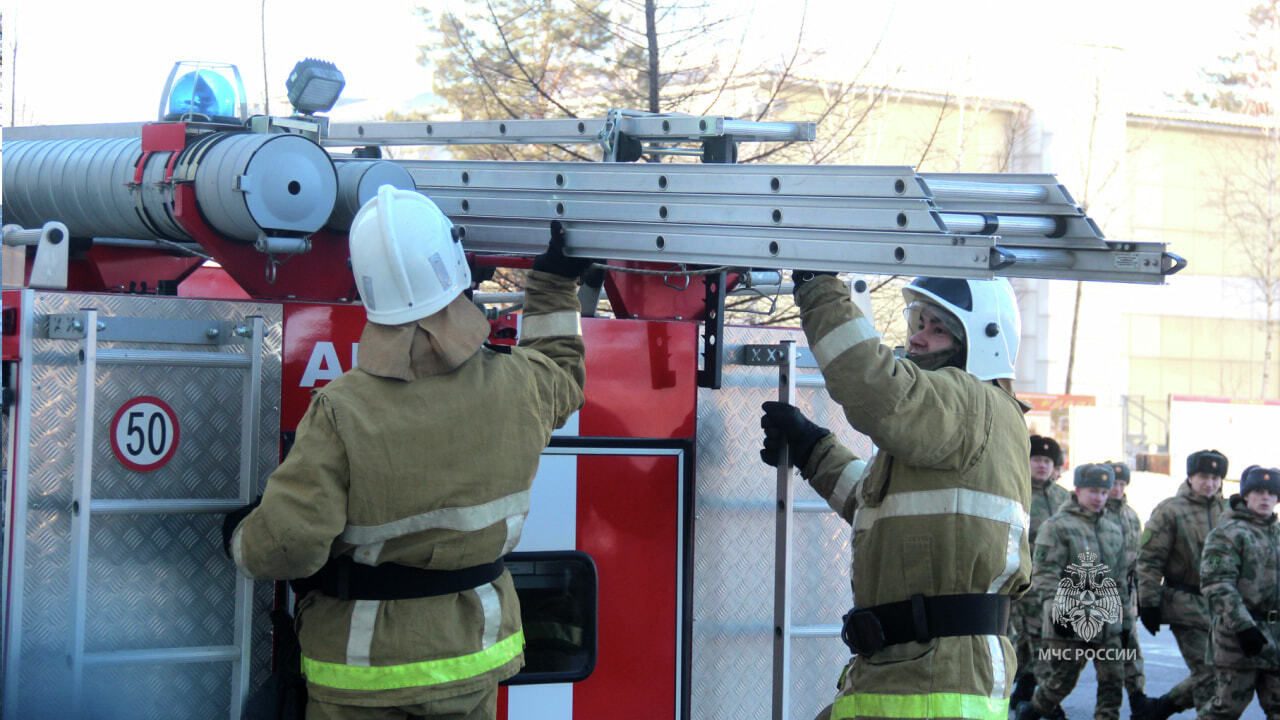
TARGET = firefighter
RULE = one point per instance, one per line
(1135, 678)
(940, 513)
(1240, 578)
(1169, 577)
(1080, 572)
(1046, 497)
(410, 474)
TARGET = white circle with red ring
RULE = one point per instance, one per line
(144, 433)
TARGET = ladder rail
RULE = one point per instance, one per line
(782, 554)
(663, 128)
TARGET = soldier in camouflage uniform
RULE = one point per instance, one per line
(1169, 577)
(1240, 576)
(1046, 497)
(1081, 549)
(1135, 678)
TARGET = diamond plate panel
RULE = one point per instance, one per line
(209, 403)
(159, 692)
(158, 581)
(733, 550)
(154, 581)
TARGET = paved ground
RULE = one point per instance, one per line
(1164, 669)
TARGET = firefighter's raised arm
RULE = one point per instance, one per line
(552, 323)
(923, 409)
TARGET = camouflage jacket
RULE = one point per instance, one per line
(1240, 574)
(1069, 547)
(1132, 539)
(1170, 554)
(1045, 501)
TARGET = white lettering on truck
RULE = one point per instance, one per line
(324, 365)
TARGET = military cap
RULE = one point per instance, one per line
(1095, 475)
(1260, 478)
(1207, 461)
(1046, 447)
(1120, 470)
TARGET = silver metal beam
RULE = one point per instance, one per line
(646, 128)
(677, 179)
(212, 653)
(782, 550)
(173, 358)
(816, 631)
(163, 507)
(81, 498)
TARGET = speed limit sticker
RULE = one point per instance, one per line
(144, 433)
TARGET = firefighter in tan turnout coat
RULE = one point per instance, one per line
(410, 475)
(1169, 577)
(940, 514)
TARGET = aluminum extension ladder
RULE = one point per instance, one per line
(83, 331)
(867, 219)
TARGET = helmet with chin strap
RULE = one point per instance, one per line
(986, 311)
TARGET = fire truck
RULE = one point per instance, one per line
(175, 289)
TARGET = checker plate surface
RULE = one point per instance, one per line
(733, 550)
(154, 581)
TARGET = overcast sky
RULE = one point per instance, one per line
(97, 61)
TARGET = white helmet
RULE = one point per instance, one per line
(988, 311)
(405, 258)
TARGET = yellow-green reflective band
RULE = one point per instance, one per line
(429, 672)
(934, 705)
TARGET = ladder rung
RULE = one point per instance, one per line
(211, 653)
(175, 358)
(163, 507)
(815, 631)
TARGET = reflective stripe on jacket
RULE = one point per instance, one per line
(941, 509)
(431, 473)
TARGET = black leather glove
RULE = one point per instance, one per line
(554, 260)
(800, 277)
(785, 424)
(1150, 617)
(232, 519)
(1066, 632)
(1251, 641)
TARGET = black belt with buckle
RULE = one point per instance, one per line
(869, 630)
(342, 578)
(1193, 589)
